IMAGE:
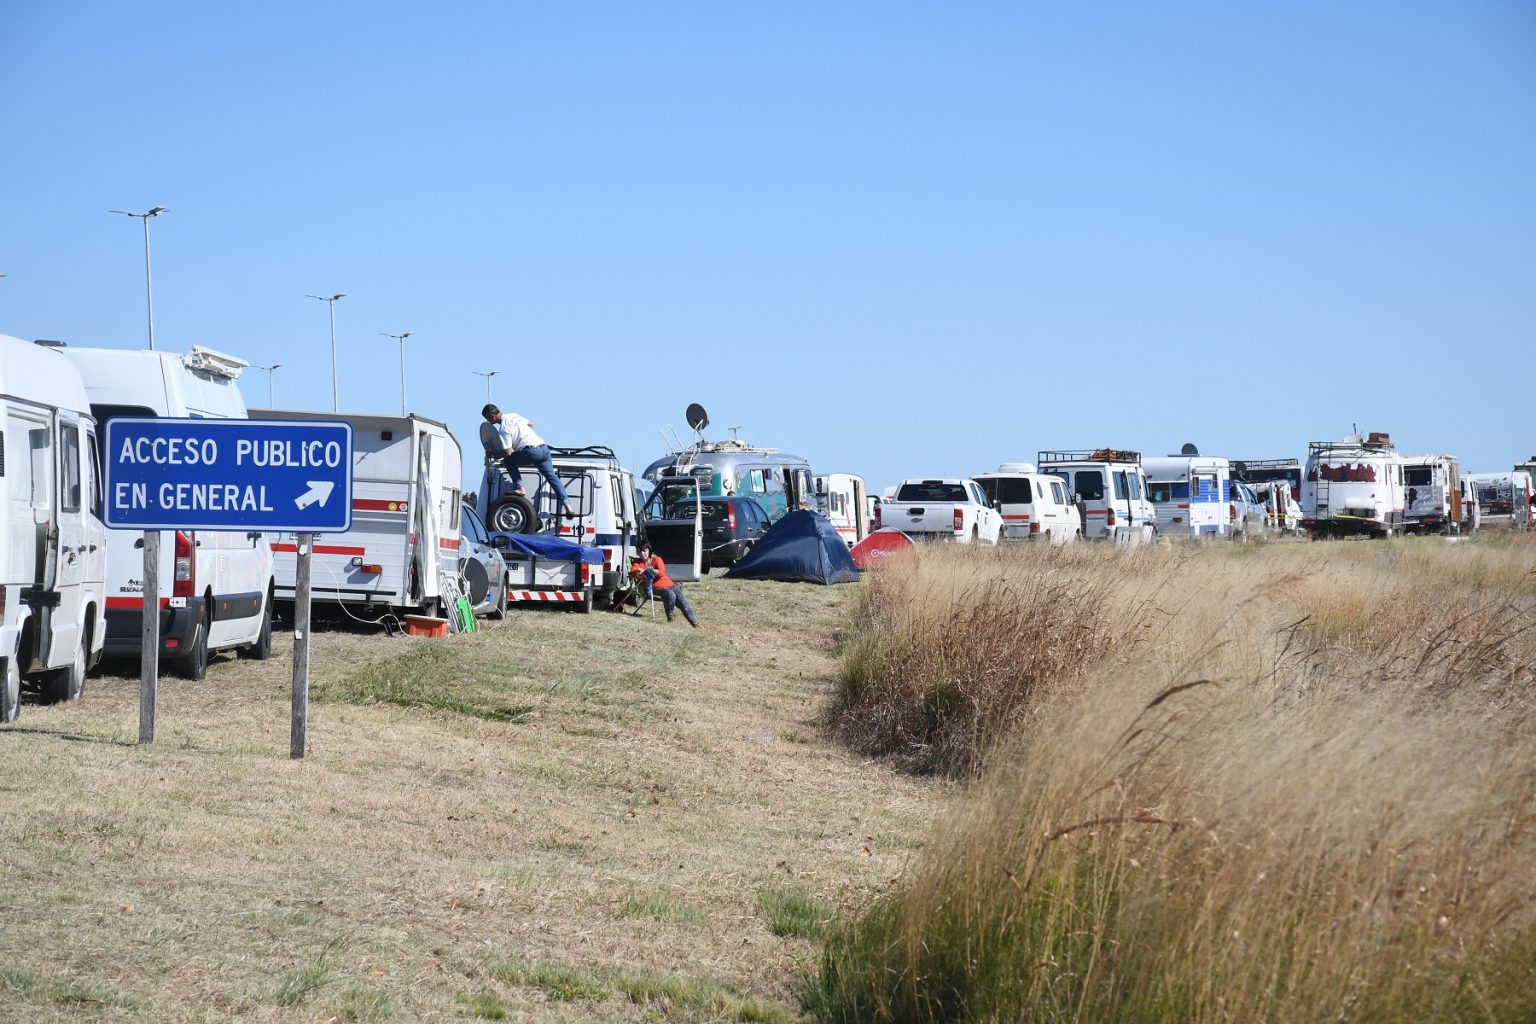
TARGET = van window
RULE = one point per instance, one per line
(93, 470)
(932, 491)
(1420, 476)
(30, 474)
(1120, 488)
(1088, 484)
(578, 487)
(474, 527)
(1009, 490)
(69, 468)
(1059, 493)
(1136, 486)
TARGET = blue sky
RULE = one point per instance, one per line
(897, 239)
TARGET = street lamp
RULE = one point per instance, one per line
(487, 374)
(401, 339)
(149, 283)
(331, 300)
(269, 369)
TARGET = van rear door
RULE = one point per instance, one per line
(70, 558)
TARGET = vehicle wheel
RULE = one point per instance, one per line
(10, 692)
(194, 664)
(66, 683)
(746, 549)
(261, 650)
(513, 514)
(975, 535)
(500, 609)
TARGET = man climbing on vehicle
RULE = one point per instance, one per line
(650, 568)
(513, 440)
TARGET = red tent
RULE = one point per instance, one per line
(868, 552)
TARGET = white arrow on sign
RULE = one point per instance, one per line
(319, 491)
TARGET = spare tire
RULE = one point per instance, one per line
(513, 513)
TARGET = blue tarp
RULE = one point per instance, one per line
(803, 547)
(546, 547)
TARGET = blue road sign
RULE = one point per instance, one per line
(197, 474)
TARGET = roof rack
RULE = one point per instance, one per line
(1096, 455)
(1374, 442)
(1244, 465)
(590, 451)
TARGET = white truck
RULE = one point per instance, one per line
(1353, 486)
(53, 544)
(941, 508)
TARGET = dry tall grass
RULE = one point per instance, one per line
(1294, 783)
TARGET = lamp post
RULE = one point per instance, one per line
(331, 300)
(269, 369)
(149, 281)
(487, 374)
(401, 339)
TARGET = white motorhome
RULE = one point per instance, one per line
(1506, 497)
(602, 493)
(1432, 497)
(1471, 507)
(1280, 509)
(1034, 505)
(220, 582)
(1353, 486)
(841, 497)
(1109, 487)
(407, 474)
(1192, 494)
(53, 544)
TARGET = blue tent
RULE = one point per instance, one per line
(803, 547)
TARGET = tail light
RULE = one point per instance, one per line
(877, 517)
(730, 514)
(1109, 520)
(1232, 512)
(959, 521)
(2, 604)
(585, 572)
(184, 572)
(370, 569)
(1034, 527)
(607, 559)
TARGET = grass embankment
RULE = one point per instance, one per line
(565, 818)
(1287, 783)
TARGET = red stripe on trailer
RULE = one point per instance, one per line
(133, 602)
(379, 505)
(448, 542)
(324, 549)
(556, 596)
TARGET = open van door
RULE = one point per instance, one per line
(674, 525)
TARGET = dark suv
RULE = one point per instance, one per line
(731, 526)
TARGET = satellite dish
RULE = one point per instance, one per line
(1189, 449)
(698, 419)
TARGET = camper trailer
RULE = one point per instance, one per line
(1353, 486)
(407, 473)
(842, 499)
(1110, 490)
(779, 481)
(1432, 494)
(602, 492)
(1192, 494)
(53, 544)
(220, 582)
(1506, 498)
(1034, 505)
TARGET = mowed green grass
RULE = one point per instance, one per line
(563, 817)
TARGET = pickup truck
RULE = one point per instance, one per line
(951, 509)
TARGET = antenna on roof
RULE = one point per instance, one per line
(735, 433)
(1189, 449)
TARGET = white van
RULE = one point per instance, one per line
(1432, 501)
(407, 474)
(842, 499)
(1192, 495)
(1111, 492)
(1034, 505)
(1353, 486)
(220, 582)
(53, 561)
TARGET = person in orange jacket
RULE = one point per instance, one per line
(651, 569)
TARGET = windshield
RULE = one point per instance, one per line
(1010, 490)
(932, 490)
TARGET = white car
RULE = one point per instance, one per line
(1250, 517)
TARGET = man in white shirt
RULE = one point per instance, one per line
(513, 440)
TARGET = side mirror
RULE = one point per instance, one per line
(499, 541)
